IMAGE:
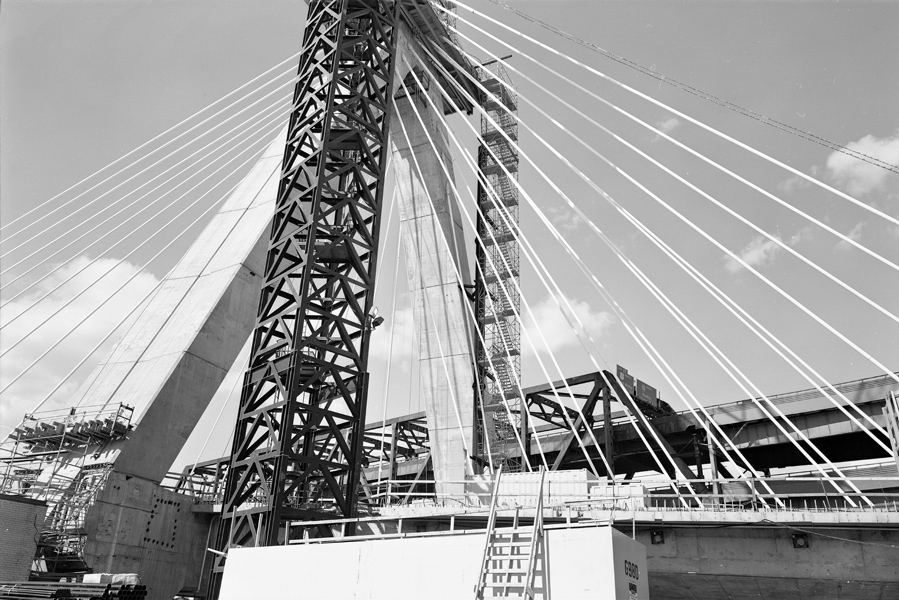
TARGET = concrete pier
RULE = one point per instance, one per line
(433, 238)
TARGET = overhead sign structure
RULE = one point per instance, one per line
(638, 389)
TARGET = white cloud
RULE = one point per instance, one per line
(25, 393)
(792, 184)
(759, 252)
(564, 219)
(858, 177)
(667, 125)
(549, 319)
(855, 234)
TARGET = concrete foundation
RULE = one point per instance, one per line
(139, 527)
(433, 238)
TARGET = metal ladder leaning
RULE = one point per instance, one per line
(505, 569)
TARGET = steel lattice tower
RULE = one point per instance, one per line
(496, 292)
(299, 433)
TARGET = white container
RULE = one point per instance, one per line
(618, 497)
(521, 489)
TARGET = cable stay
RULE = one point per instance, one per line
(797, 431)
(740, 261)
(169, 130)
(843, 238)
(189, 168)
(569, 391)
(112, 294)
(142, 171)
(470, 309)
(638, 429)
(708, 128)
(806, 135)
(629, 217)
(145, 241)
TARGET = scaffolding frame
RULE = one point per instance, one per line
(497, 300)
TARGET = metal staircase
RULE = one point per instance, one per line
(509, 564)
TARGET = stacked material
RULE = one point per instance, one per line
(22, 590)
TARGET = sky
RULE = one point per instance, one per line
(83, 83)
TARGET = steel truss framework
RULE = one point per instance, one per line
(299, 437)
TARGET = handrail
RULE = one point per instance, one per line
(491, 523)
(536, 538)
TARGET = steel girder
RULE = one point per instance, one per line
(299, 436)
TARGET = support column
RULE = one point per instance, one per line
(608, 431)
(297, 451)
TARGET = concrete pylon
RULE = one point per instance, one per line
(182, 345)
(432, 234)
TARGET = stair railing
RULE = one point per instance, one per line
(536, 540)
(491, 525)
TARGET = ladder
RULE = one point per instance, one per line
(509, 564)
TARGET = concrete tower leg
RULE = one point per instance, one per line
(176, 355)
(430, 218)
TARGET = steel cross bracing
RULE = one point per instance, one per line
(299, 436)
(496, 296)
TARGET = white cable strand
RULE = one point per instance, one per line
(172, 128)
(593, 359)
(743, 264)
(117, 186)
(277, 119)
(555, 285)
(620, 209)
(469, 338)
(705, 95)
(448, 378)
(193, 467)
(212, 253)
(73, 255)
(712, 130)
(214, 205)
(456, 193)
(754, 326)
(459, 282)
(526, 245)
(620, 255)
(660, 133)
(527, 306)
(705, 195)
(145, 302)
(706, 344)
(89, 315)
(649, 447)
(396, 270)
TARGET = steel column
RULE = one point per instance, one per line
(299, 436)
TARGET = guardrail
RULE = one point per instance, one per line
(791, 493)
